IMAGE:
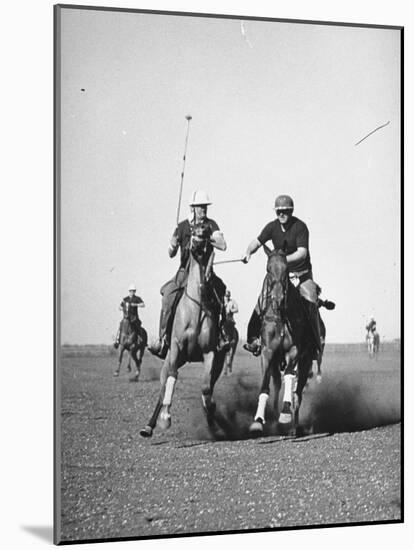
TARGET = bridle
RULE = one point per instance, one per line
(200, 249)
(277, 309)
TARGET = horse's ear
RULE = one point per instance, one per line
(267, 250)
(284, 247)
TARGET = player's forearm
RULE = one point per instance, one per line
(300, 254)
(253, 247)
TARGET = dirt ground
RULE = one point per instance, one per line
(114, 483)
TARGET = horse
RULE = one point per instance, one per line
(373, 343)
(233, 337)
(194, 335)
(287, 347)
(133, 338)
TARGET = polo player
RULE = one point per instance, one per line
(129, 306)
(291, 234)
(230, 306)
(371, 326)
(171, 290)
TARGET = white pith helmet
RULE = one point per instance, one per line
(199, 198)
(132, 287)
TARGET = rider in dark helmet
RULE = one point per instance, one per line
(129, 306)
(290, 232)
(181, 240)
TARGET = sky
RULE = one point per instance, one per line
(277, 108)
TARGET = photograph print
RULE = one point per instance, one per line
(228, 199)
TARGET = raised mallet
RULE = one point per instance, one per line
(188, 118)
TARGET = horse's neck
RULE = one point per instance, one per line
(194, 279)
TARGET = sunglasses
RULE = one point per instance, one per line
(283, 211)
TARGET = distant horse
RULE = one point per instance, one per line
(133, 338)
(233, 337)
(194, 334)
(286, 346)
(373, 343)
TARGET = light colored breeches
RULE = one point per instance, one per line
(308, 290)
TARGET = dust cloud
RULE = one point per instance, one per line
(345, 400)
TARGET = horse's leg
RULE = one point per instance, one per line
(319, 364)
(256, 428)
(149, 428)
(289, 380)
(305, 364)
(121, 353)
(133, 356)
(212, 370)
(226, 363)
(277, 384)
(171, 373)
(233, 351)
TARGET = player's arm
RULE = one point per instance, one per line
(251, 249)
(174, 244)
(298, 255)
(218, 241)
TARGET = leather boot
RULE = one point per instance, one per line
(160, 347)
(253, 332)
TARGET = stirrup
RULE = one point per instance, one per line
(253, 347)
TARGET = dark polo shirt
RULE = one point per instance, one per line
(295, 236)
(183, 235)
(131, 312)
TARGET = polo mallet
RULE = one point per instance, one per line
(230, 261)
(188, 117)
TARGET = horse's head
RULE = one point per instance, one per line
(277, 269)
(201, 247)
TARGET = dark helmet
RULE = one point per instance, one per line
(284, 201)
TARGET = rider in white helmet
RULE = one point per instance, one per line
(180, 239)
(231, 306)
(129, 306)
(372, 325)
(287, 230)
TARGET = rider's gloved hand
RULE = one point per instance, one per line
(246, 258)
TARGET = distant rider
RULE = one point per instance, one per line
(371, 326)
(231, 307)
(181, 240)
(129, 306)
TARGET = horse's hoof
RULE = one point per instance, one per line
(146, 432)
(285, 418)
(256, 428)
(134, 378)
(164, 421)
(116, 373)
(318, 378)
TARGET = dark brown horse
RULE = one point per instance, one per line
(287, 346)
(133, 338)
(233, 339)
(194, 334)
